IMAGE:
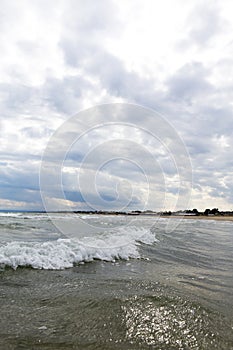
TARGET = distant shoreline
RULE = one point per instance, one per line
(199, 217)
(223, 217)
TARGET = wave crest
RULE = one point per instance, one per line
(65, 253)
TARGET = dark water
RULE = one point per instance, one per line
(176, 294)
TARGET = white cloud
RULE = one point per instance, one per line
(59, 57)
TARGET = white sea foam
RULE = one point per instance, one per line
(9, 214)
(64, 253)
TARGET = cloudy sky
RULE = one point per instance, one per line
(59, 58)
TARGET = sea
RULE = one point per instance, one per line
(75, 281)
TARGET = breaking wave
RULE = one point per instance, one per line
(65, 253)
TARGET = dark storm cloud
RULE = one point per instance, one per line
(31, 197)
(15, 176)
(20, 182)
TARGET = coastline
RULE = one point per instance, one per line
(188, 217)
(201, 217)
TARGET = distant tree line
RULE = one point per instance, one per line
(206, 212)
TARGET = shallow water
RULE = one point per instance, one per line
(173, 292)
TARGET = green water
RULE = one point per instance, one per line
(176, 295)
(88, 308)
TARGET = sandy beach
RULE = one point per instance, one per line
(193, 217)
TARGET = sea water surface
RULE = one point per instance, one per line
(129, 284)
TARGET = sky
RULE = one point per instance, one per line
(62, 62)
